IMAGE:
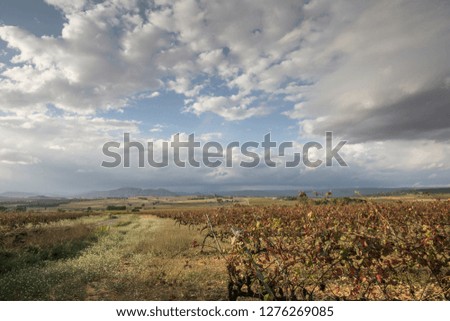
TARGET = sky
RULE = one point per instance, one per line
(75, 74)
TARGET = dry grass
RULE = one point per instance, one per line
(158, 262)
(131, 258)
(16, 220)
(44, 237)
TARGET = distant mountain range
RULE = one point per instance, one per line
(23, 195)
(17, 195)
(126, 192)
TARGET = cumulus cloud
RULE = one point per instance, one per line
(157, 128)
(97, 63)
(230, 108)
(111, 50)
(325, 58)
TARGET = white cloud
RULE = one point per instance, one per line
(96, 64)
(353, 57)
(69, 6)
(9, 156)
(71, 139)
(396, 155)
(205, 137)
(230, 108)
(157, 128)
(146, 95)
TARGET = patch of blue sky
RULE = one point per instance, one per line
(6, 53)
(34, 16)
(166, 109)
(53, 111)
(279, 125)
(167, 113)
(214, 86)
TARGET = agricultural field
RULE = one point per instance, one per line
(228, 249)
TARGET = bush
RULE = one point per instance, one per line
(116, 208)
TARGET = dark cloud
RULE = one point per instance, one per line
(424, 115)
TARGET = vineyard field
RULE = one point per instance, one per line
(258, 249)
(369, 251)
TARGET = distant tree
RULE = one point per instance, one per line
(302, 196)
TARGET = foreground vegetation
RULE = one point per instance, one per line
(348, 249)
(104, 257)
(342, 251)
